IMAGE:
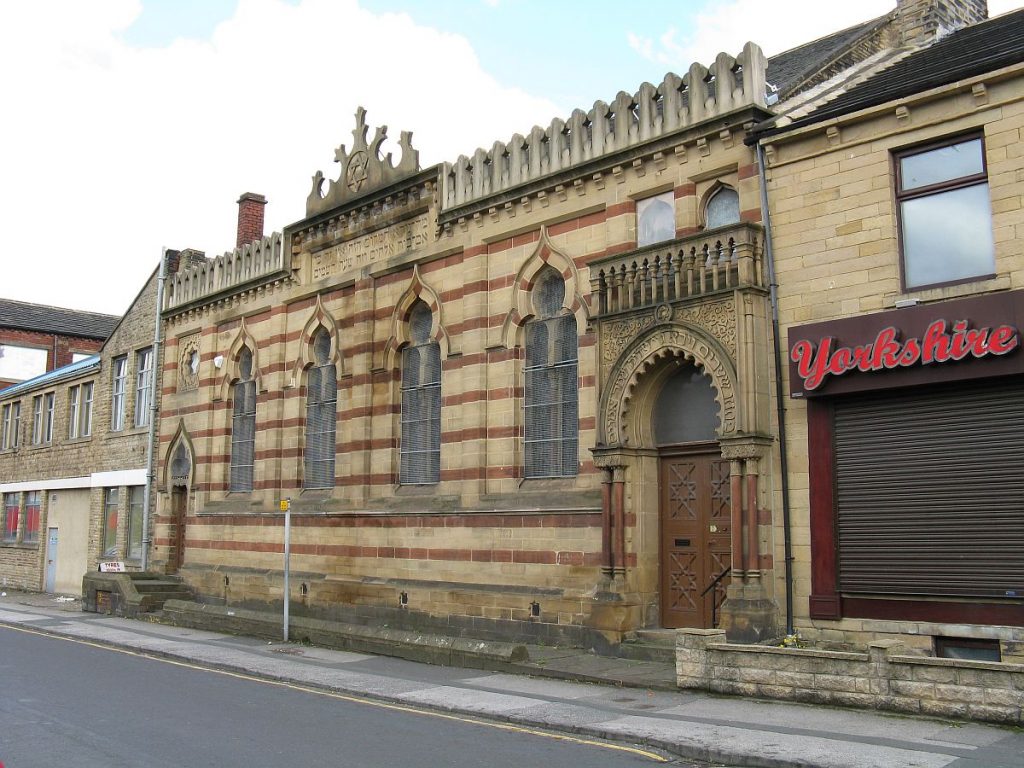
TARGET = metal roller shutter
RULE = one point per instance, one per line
(930, 492)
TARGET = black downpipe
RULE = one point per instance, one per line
(787, 543)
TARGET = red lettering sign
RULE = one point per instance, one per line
(814, 363)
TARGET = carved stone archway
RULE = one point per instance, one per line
(619, 425)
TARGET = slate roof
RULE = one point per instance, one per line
(52, 377)
(788, 69)
(968, 52)
(67, 322)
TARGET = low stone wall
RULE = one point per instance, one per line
(882, 678)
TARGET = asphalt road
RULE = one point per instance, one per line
(70, 704)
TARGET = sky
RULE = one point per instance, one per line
(133, 125)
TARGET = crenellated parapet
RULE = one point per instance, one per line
(731, 82)
(231, 271)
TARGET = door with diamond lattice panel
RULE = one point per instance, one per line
(695, 536)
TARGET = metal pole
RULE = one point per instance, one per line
(287, 504)
(154, 412)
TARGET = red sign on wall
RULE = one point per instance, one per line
(909, 346)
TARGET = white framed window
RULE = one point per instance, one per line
(945, 214)
(110, 506)
(11, 426)
(86, 421)
(37, 420)
(119, 384)
(136, 493)
(143, 382)
(551, 398)
(48, 399)
(80, 410)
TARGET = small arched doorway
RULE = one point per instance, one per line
(694, 498)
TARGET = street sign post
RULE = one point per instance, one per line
(286, 507)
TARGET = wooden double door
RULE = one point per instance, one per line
(695, 535)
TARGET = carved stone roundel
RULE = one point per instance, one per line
(356, 176)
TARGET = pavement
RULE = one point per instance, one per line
(717, 729)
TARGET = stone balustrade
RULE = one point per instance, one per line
(230, 271)
(692, 266)
(731, 82)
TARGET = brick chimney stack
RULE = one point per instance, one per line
(921, 22)
(250, 218)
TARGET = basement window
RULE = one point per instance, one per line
(967, 649)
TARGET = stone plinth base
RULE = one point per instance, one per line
(748, 615)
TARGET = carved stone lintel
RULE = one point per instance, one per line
(739, 447)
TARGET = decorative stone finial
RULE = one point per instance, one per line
(363, 170)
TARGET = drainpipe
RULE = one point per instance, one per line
(787, 543)
(154, 411)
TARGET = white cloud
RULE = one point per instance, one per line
(112, 151)
(776, 26)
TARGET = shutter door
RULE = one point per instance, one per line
(930, 492)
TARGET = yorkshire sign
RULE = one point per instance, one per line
(910, 346)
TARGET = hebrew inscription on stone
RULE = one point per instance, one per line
(368, 249)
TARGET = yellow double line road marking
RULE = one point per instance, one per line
(351, 698)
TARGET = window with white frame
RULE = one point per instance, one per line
(119, 385)
(42, 419)
(321, 415)
(110, 505)
(11, 426)
(136, 494)
(243, 425)
(20, 363)
(80, 410)
(12, 510)
(143, 383)
(551, 420)
(945, 215)
(420, 451)
(33, 505)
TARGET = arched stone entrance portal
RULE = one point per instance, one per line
(682, 466)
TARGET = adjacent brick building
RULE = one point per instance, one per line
(35, 338)
(73, 460)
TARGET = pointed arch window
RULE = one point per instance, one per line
(722, 209)
(321, 414)
(551, 401)
(243, 425)
(420, 450)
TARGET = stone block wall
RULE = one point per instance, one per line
(883, 678)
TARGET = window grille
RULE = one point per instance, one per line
(11, 511)
(321, 415)
(243, 425)
(551, 409)
(723, 209)
(421, 402)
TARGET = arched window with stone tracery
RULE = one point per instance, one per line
(321, 414)
(243, 425)
(420, 449)
(551, 398)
